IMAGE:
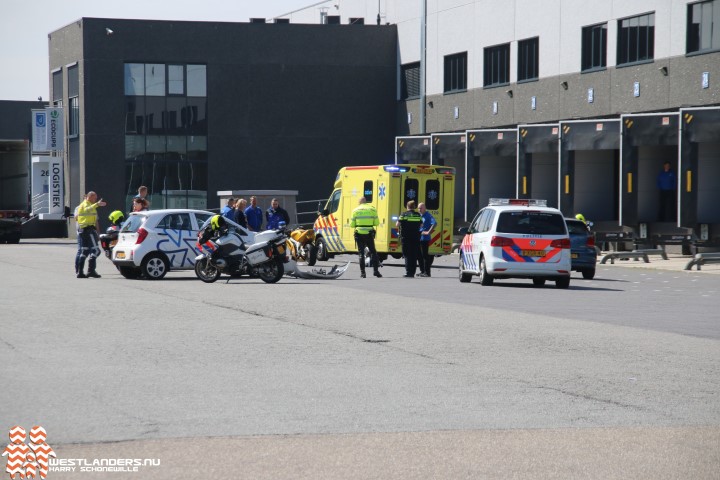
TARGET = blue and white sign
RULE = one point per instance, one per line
(48, 132)
(636, 89)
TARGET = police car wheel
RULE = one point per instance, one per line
(485, 279)
(538, 282)
(563, 282)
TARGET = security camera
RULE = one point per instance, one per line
(108, 31)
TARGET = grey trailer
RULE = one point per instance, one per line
(448, 149)
(413, 150)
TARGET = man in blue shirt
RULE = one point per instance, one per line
(254, 215)
(667, 183)
(425, 260)
(228, 211)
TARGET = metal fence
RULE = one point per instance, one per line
(307, 210)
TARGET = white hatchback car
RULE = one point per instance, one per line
(516, 238)
(153, 242)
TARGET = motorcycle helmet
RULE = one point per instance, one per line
(581, 217)
(116, 217)
(217, 222)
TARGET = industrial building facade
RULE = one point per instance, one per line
(580, 103)
(192, 108)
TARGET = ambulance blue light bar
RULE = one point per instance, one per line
(395, 168)
(526, 202)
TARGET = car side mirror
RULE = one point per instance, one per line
(463, 230)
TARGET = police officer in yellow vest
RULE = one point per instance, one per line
(88, 240)
(364, 220)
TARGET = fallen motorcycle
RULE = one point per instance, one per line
(226, 252)
(301, 246)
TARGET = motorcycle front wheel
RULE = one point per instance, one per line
(272, 271)
(206, 271)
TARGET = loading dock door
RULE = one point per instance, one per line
(449, 150)
(647, 142)
(413, 150)
(538, 163)
(589, 165)
(699, 167)
(491, 167)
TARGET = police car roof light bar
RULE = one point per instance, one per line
(527, 202)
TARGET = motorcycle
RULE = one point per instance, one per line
(109, 239)
(301, 245)
(226, 252)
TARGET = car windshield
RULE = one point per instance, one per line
(531, 222)
(132, 224)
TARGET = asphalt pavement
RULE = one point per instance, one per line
(375, 378)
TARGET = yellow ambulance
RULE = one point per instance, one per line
(388, 188)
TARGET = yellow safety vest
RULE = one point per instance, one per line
(364, 218)
(87, 214)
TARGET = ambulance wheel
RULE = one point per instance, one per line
(485, 279)
(322, 253)
(464, 277)
(396, 256)
(311, 252)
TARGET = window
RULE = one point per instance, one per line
(594, 47)
(636, 39)
(333, 19)
(410, 81)
(528, 51)
(702, 19)
(432, 194)
(368, 190)
(175, 221)
(73, 101)
(497, 65)
(535, 223)
(176, 80)
(334, 202)
(134, 79)
(155, 79)
(456, 72)
(487, 225)
(356, 21)
(411, 191)
(57, 87)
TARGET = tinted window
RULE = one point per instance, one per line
(202, 218)
(368, 190)
(411, 191)
(474, 223)
(528, 61)
(636, 39)
(479, 221)
(176, 221)
(455, 72)
(133, 223)
(432, 194)
(594, 47)
(497, 65)
(487, 224)
(410, 81)
(334, 202)
(535, 223)
(576, 227)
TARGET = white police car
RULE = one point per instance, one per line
(153, 242)
(516, 238)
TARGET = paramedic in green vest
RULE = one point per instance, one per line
(364, 220)
(88, 239)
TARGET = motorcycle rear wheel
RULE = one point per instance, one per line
(311, 254)
(206, 271)
(272, 271)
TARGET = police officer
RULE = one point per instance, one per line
(88, 240)
(364, 220)
(409, 224)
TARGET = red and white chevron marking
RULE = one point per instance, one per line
(30, 466)
(16, 454)
(17, 434)
(38, 434)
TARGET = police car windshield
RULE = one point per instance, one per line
(132, 224)
(537, 223)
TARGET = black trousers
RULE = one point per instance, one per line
(410, 251)
(668, 200)
(425, 260)
(364, 240)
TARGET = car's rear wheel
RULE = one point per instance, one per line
(588, 273)
(154, 267)
(129, 272)
(563, 282)
(463, 276)
(538, 282)
(485, 279)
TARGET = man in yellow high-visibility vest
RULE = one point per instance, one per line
(364, 220)
(88, 240)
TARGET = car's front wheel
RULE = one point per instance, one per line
(154, 267)
(463, 276)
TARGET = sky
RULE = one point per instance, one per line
(25, 25)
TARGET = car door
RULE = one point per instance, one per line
(177, 239)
